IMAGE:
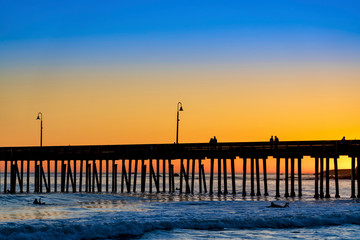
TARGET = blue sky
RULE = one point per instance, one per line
(21, 20)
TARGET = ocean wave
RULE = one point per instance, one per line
(184, 215)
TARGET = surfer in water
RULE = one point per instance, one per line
(274, 205)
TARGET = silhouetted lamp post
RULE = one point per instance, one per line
(179, 108)
(39, 117)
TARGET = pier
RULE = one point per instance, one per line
(89, 168)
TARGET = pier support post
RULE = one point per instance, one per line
(182, 173)
(232, 175)
(48, 175)
(327, 195)
(277, 177)
(292, 194)
(286, 177)
(265, 178)
(5, 176)
(107, 176)
(258, 193)
(200, 177)
(63, 172)
(80, 174)
(316, 178)
(143, 175)
(193, 176)
(28, 176)
(135, 174)
(353, 177)
(164, 176)
(22, 177)
(211, 175)
(219, 175)
(244, 178)
(358, 176)
(299, 178)
(321, 177)
(157, 182)
(252, 192)
(151, 170)
(170, 177)
(337, 195)
(225, 176)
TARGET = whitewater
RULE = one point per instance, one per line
(175, 216)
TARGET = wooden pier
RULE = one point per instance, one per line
(82, 168)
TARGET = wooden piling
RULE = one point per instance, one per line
(252, 193)
(170, 178)
(258, 193)
(5, 177)
(316, 178)
(63, 171)
(358, 176)
(211, 175)
(321, 177)
(292, 194)
(265, 178)
(143, 177)
(93, 176)
(157, 182)
(12, 178)
(225, 176)
(327, 195)
(81, 174)
(299, 178)
(107, 176)
(203, 175)
(164, 176)
(129, 178)
(40, 178)
(286, 177)
(123, 172)
(219, 175)
(114, 176)
(135, 174)
(22, 176)
(181, 174)
(193, 176)
(48, 173)
(232, 176)
(200, 178)
(244, 178)
(337, 195)
(100, 174)
(277, 177)
(86, 176)
(28, 176)
(353, 176)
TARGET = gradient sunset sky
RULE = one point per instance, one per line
(112, 72)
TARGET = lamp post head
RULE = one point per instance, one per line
(181, 109)
(38, 116)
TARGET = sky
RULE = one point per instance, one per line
(113, 72)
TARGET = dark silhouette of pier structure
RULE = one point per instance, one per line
(87, 163)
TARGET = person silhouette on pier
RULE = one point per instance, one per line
(271, 142)
(215, 140)
(276, 142)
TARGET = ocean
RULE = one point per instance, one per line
(175, 216)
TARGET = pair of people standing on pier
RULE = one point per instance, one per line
(272, 141)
